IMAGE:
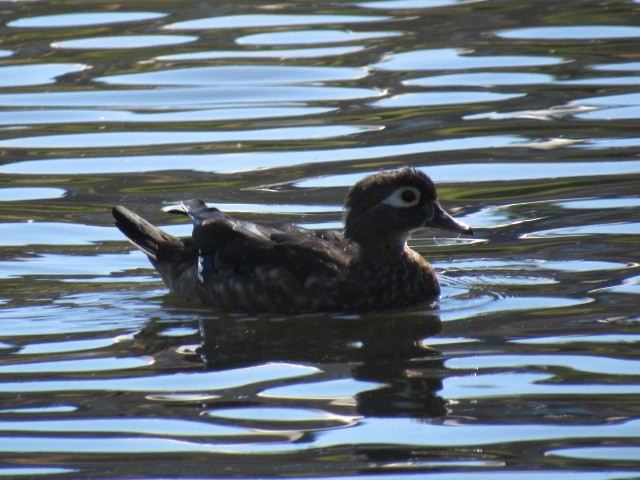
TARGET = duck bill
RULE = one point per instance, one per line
(443, 220)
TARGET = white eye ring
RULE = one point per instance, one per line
(402, 197)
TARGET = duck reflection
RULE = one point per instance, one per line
(387, 349)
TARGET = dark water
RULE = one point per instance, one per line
(527, 116)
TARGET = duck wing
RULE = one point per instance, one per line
(230, 247)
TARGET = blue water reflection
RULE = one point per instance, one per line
(610, 453)
(482, 79)
(273, 54)
(183, 382)
(238, 162)
(66, 20)
(29, 193)
(304, 37)
(266, 20)
(458, 59)
(54, 116)
(442, 98)
(181, 98)
(124, 139)
(125, 41)
(252, 75)
(574, 32)
(36, 74)
(473, 172)
(413, 4)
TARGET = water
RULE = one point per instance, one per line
(526, 115)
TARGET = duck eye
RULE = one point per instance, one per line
(403, 197)
(408, 195)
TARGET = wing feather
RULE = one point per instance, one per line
(247, 245)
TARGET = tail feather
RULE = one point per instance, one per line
(148, 238)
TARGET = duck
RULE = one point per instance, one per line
(241, 266)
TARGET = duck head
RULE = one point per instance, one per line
(384, 208)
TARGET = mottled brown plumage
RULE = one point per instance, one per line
(236, 265)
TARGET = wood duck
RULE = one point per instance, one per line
(236, 265)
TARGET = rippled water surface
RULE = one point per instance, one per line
(527, 116)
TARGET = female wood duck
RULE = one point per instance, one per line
(236, 265)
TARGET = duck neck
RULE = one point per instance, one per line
(388, 246)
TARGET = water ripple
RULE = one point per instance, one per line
(124, 42)
(237, 75)
(492, 385)
(183, 98)
(265, 20)
(442, 98)
(581, 363)
(315, 37)
(124, 139)
(36, 74)
(412, 433)
(457, 59)
(573, 32)
(239, 162)
(83, 19)
(194, 381)
(274, 54)
(53, 117)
